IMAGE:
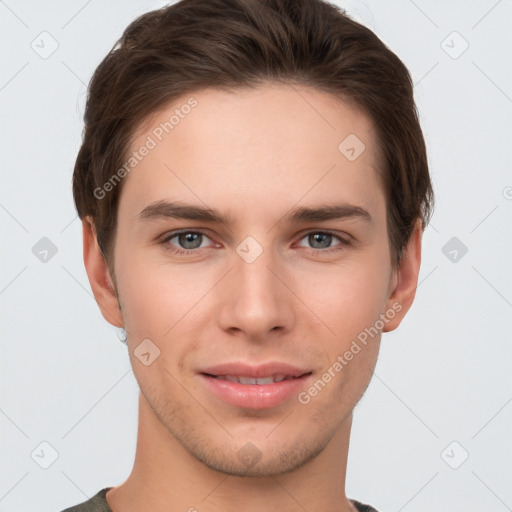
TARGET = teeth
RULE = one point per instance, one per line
(248, 380)
(254, 380)
(264, 380)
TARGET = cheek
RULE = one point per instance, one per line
(346, 297)
(159, 300)
(350, 307)
(145, 298)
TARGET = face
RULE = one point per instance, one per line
(248, 236)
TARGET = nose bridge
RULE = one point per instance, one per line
(256, 301)
(255, 278)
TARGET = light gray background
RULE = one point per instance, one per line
(444, 376)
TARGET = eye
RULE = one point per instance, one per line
(189, 243)
(323, 240)
(185, 242)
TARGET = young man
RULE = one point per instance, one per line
(253, 186)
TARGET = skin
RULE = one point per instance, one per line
(253, 154)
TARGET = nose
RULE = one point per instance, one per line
(255, 300)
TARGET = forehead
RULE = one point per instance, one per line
(248, 144)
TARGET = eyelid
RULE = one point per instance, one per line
(340, 234)
(171, 234)
(344, 239)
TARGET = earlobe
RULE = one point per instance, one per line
(406, 280)
(99, 276)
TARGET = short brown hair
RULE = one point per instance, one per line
(230, 44)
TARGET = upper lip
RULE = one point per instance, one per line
(264, 370)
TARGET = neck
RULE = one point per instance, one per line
(165, 473)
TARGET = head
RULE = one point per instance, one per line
(264, 116)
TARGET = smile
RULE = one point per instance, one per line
(253, 380)
(255, 392)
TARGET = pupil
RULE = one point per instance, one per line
(190, 240)
(323, 238)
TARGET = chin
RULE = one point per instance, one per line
(259, 459)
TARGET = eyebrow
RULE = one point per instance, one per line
(177, 210)
(328, 212)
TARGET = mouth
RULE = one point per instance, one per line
(249, 392)
(258, 381)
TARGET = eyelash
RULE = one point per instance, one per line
(191, 252)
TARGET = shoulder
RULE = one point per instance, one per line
(98, 503)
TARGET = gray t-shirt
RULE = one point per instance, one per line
(98, 503)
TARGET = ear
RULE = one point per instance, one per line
(405, 279)
(99, 276)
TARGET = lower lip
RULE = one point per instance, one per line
(255, 396)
